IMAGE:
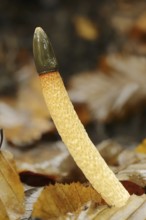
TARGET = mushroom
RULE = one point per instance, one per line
(70, 127)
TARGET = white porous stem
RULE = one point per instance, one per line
(79, 145)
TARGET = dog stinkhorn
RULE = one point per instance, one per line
(69, 126)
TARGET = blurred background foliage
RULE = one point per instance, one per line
(107, 37)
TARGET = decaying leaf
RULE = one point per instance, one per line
(107, 102)
(37, 179)
(11, 189)
(55, 201)
(45, 159)
(83, 112)
(3, 212)
(141, 148)
(31, 195)
(78, 202)
(133, 188)
(139, 27)
(85, 28)
(25, 118)
(134, 172)
(128, 165)
(132, 165)
(47, 163)
(110, 150)
(128, 157)
(133, 210)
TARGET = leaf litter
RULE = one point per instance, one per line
(116, 90)
(11, 190)
(53, 159)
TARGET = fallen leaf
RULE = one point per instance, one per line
(128, 165)
(133, 210)
(83, 112)
(37, 179)
(11, 190)
(133, 188)
(140, 23)
(44, 159)
(141, 148)
(47, 163)
(126, 73)
(31, 195)
(85, 28)
(128, 157)
(91, 209)
(134, 172)
(110, 150)
(25, 118)
(3, 212)
(55, 201)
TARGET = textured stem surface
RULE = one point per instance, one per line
(79, 145)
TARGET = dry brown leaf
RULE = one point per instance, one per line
(44, 159)
(110, 151)
(128, 157)
(85, 28)
(55, 201)
(26, 117)
(133, 188)
(129, 24)
(3, 212)
(112, 95)
(138, 30)
(132, 166)
(83, 112)
(121, 23)
(47, 163)
(141, 148)
(140, 23)
(11, 189)
(121, 160)
(136, 16)
(31, 196)
(64, 208)
(133, 210)
(135, 173)
(128, 165)
(137, 33)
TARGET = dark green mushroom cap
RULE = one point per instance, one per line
(44, 57)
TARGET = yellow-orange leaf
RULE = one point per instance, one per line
(85, 28)
(141, 148)
(11, 189)
(55, 201)
(3, 212)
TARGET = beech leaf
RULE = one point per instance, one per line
(133, 210)
(11, 190)
(57, 200)
(25, 118)
(126, 73)
(3, 212)
(141, 148)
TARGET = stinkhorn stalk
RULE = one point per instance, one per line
(69, 126)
